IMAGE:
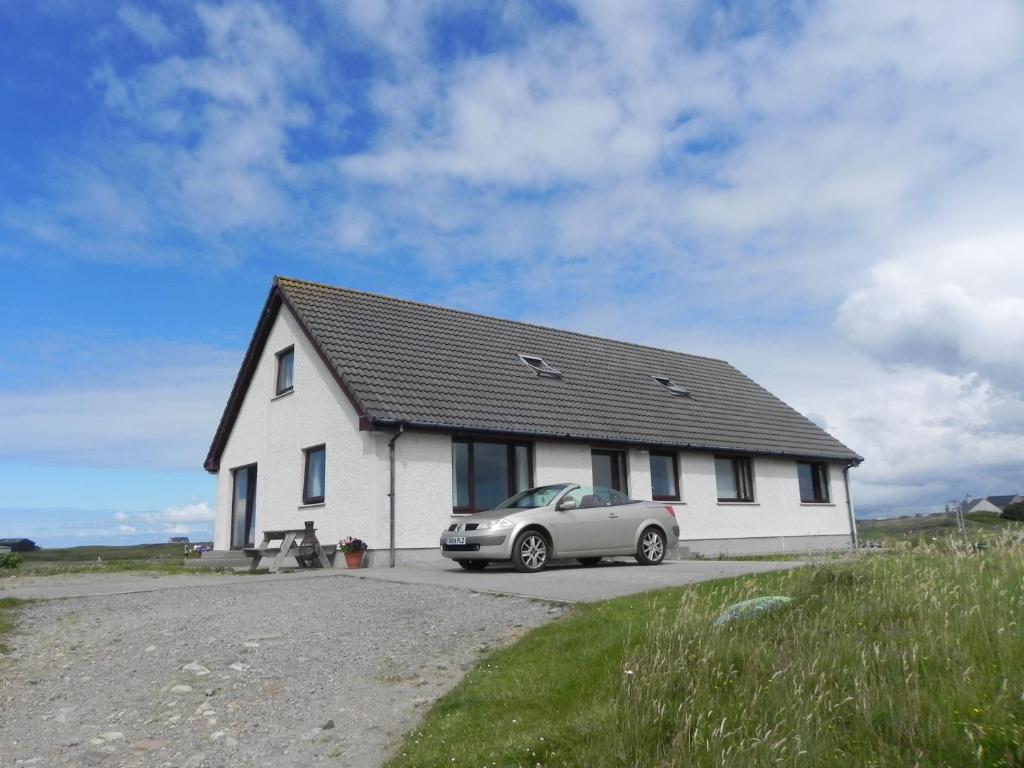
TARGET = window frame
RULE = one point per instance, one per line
(511, 446)
(743, 477)
(675, 473)
(620, 467)
(306, 454)
(252, 472)
(819, 482)
(540, 366)
(280, 356)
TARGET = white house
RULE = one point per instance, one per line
(381, 418)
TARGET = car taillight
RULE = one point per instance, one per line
(670, 510)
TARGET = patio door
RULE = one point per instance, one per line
(243, 507)
(609, 469)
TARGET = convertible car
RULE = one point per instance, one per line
(563, 521)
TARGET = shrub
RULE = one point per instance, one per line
(1014, 511)
(10, 560)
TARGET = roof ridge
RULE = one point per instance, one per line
(526, 323)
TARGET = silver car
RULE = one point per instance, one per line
(564, 521)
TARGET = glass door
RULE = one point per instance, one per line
(243, 507)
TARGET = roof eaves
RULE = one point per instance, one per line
(852, 457)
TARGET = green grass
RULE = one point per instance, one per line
(919, 531)
(8, 606)
(889, 660)
(159, 558)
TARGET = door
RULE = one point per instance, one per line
(609, 469)
(243, 507)
(595, 524)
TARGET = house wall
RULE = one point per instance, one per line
(273, 431)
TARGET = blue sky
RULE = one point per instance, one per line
(826, 195)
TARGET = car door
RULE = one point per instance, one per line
(581, 528)
(623, 520)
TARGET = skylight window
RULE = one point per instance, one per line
(541, 367)
(671, 386)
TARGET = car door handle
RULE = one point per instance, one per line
(612, 514)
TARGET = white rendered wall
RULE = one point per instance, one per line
(562, 463)
(776, 510)
(273, 431)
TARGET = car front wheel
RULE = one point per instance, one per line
(473, 565)
(651, 549)
(530, 552)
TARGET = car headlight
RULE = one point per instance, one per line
(495, 525)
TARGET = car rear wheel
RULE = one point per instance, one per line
(530, 552)
(589, 560)
(474, 565)
(651, 549)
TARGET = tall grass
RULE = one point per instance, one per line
(912, 659)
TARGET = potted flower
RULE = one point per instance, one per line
(354, 550)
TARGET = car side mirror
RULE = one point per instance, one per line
(566, 504)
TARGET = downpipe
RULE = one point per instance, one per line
(849, 508)
(391, 494)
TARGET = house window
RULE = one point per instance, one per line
(664, 477)
(314, 476)
(485, 473)
(671, 386)
(541, 367)
(285, 370)
(813, 478)
(609, 469)
(735, 478)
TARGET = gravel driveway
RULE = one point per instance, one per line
(289, 672)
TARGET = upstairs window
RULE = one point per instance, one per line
(671, 386)
(285, 370)
(541, 367)
(664, 477)
(813, 478)
(314, 476)
(735, 478)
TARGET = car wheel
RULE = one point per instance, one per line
(530, 552)
(651, 549)
(589, 560)
(473, 565)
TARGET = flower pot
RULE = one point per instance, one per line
(354, 559)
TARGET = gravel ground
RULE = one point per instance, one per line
(296, 672)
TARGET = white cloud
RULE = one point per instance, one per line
(145, 25)
(955, 307)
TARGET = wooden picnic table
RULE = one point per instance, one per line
(300, 543)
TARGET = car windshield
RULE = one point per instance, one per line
(534, 497)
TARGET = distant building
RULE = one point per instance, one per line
(19, 545)
(994, 504)
(179, 539)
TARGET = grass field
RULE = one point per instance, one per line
(908, 659)
(166, 558)
(916, 531)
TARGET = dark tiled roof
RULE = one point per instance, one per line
(1002, 501)
(431, 367)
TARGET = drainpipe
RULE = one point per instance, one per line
(391, 493)
(849, 507)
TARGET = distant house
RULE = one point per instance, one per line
(993, 504)
(19, 545)
(382, 418)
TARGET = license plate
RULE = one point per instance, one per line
(456, 540)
